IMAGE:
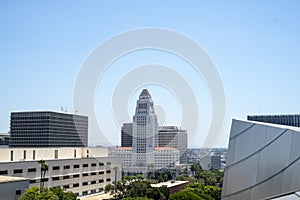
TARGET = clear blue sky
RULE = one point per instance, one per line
(255, 46)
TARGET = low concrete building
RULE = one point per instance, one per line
(11, 188)
(164, 158)
(83, 171)
(174, 186)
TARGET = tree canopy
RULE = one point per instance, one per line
(132, 187)
(185, 195)
(55, 193)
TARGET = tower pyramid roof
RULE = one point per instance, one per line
(145, 93)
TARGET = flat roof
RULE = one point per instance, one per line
(5, 179)
(156, 148)
(293, 128)
(169, 184)
(48, 111)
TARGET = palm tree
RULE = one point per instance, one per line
(116, 172)
(44, 169)
(150, 167)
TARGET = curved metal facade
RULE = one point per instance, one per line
(263, 161)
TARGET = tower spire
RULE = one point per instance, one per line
(145, 94)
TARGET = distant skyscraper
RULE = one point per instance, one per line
(126, 135)
(140, 150)
(144, 129)
(289, 120)
(172, 136)
(4, 139)
(48, 129)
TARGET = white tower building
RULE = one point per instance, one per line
(144, 129)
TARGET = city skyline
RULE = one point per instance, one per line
(253, 45)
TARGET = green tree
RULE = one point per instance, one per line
(136, 198)
(181, 178)
(196, 167)
(213, 191)
(134, 187)
(119, 188)
(137, 189)
(140, 177)
(153, 193)
(31, 193)
(165, 192)
(205, 191)
(56, 193)
(185, 195)
(47, 195)
(35, 194)
(63, 195)
(44, 169)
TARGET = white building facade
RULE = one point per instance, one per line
(83, 171)
(164, 158)
(145, 128)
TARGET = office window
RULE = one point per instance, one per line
(33, 155)
(11, 155)
(94, 164)
(93, 173)
(85, 165)
(74, 153)
(85, 183)
(100, 189)
(76, 185)
(55, 154)
(32, 181)
(3, 172)
(87, 153)
(18, 192)
(85, 193)
(55, 178)
(66, 177)
(108, 179)
(66, 186)
(32, 170)
(18, 171)
(101, 181)
(93, 182)
(101, 164)
(108, 171)
(102, 172)
(85, 174)
(108, 163)
(67, 167)
(76, 166)
(24, 154)
(55, 168)
(76, 176)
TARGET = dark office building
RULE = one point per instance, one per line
(48, 129)
(216, 162)
(126, 135)
(4, 139)
(289, 120)
(172, 136)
